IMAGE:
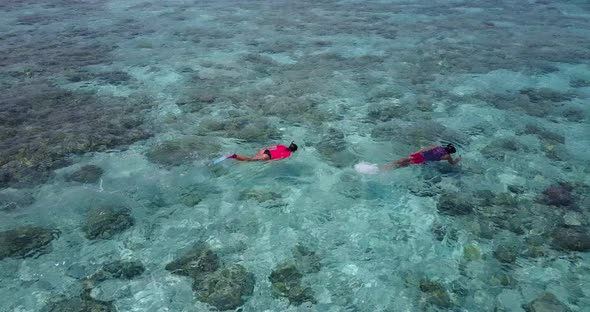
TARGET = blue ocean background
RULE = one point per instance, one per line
(112, 112)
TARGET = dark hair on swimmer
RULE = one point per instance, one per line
(450, 149)
(292, 147)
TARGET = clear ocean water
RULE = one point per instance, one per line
(112, 112)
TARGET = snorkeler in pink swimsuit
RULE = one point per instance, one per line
(269, 153)
(432, 153)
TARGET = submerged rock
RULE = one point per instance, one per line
(557, 152)
(546, 94)
(471, 253)
(544, 134)
(257, 132)
(248, 129)
(484, 229)
(547, 302)
(197, 100)
(574, 114)
(177, 152)
(506, 253)
(225, 289)
(113, 77)
(43, 125)
(196, 262)
(11, 199)
(264, 197)
(83, 303)
(436, 294)
(259, 195)
(385, 111)
(105, 222)
(454, 204)
(195, 193)
(306, 260)
(119, 270)
(560, 195)
(516, 189)
(26, 241)
(442, 232)
(425, 188)
(502, 279)
(286, 282)
(350, 185)
(498, 148)
(572, 238)
(420, 133)
(333, 147)
(86, 174)
(81, 271)
(505, 199)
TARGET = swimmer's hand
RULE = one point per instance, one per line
(454, 161)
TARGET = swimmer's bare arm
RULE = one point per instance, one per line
(450, 159)
(424, 149)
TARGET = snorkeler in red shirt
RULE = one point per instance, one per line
(269, 153)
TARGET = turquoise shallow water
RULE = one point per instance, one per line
(112, 112)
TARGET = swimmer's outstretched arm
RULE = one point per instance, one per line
(424, 149)
(256, 157)
(450, 159)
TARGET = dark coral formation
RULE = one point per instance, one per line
(247, 129)
(292, 104)
(306, 259)
(226, 288)
(12, 199)
(436, 294)
(574, 114)
(56, 49)
(286, 282)
(197, 262)
(454, 204)
(110, 77)
(86, 174)
(565, 195)
(545, 94)
(42, 125)
(499, 148)
(544, 134)
(559, 195)
(183, 150)
(334, 148)
(441, 232)
(195, 193)
(544, 303)
(260, 195)
(571, 238)
(418, 133)
(106, 222)
(350, 185)
(506, 253)
(83, 303)
(196, 100)
(222, 287)
(118, 270)
(26, 241)
(386, 111)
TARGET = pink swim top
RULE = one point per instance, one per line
(279, 152)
